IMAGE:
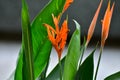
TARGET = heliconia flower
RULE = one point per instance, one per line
(67, 4)
(93, 23)
(58, 36)
(106, 23)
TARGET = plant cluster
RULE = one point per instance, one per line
(44, 32)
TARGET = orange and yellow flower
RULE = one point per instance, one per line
(106, 23)
(58, 36)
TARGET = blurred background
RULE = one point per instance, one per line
(81, 10)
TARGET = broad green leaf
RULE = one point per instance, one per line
(115, 76)
(41, 44)
(27, 72)
(55, 73)
(73, 55)
(86, 70)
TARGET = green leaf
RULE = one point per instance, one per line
(73, 55)
(55, 73)
(27, 72)
(43, 74)
(41, 44)
(115, 76)
(86, 70)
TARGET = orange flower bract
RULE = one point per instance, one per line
(106, 23)
(93, 23)
(67, 4)
(58, 36)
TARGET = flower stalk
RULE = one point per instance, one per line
(99, 59)
(105, 30)
(60, 69)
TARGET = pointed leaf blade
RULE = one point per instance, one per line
(27, 72)
(73, 55)
(86, 70)
(115, 76)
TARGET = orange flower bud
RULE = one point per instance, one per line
(93, 23)
(106, 23)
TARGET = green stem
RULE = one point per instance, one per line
(98, 63)
(82, 53)
(81, 57)
(60, 69)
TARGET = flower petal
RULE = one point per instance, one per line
(56, 22)
(51, 33)
(64, 32)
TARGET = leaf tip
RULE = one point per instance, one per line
(77, 24)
